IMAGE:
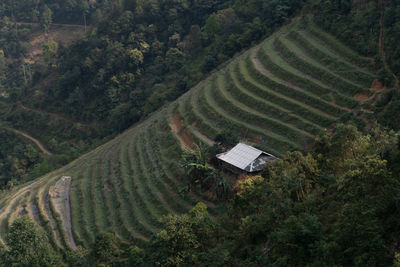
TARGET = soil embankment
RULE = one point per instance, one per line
(59, 197)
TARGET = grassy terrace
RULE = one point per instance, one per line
(277, 96)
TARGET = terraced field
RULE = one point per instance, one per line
(276, 96)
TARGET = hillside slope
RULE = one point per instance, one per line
(277, 96)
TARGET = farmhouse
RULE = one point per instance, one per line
(245, 158)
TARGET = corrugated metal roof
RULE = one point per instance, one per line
(241, 155)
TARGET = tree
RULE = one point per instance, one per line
(174, 59)
(28, 245)
(106, 248)
(297, 240)
(212, 27)
(197, 168)
(183, 239)
(46, 18)
(136, 57)
(49, 51)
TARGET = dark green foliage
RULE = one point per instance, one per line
(186, 240)
(19, 158)
(226, 138)
(390, 117)
(106, 249)
(359, 26)
(351, 118)
(28, 245)
(338, 210)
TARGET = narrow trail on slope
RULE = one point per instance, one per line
(55, 24)
(37, 142)
(56, 116)
(381, 47)
(204, 138)
(186, 140)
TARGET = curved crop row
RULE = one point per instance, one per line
(308, 68)
(272, 109)
(288, 103)
(338, 66)
(336, 46)
(298, 94)
(339, 98)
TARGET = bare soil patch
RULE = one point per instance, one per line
(185, 139)
(377, 86)
(62, 34)
(59, 197)
(176, 124)
(361, 98)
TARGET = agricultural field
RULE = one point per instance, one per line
(276, 96)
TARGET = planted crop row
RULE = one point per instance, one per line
(340, 67)
(191, 117)
(297, 94)
(172, 179)
(338, 47)
(168, 197)
(238, 125)
(77, 211)
(144, 197)
(336, 82)
(246, 81)
(160, 207)
(210, 115)
(44, 222)
(276, 130)
(206, 125)
(134, 213)
(88, 211)
(144, 211)
(263, 105)
(340, 99)
(121, 208)
(95, 200)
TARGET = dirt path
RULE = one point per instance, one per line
(186, 140)
(204, 138)
(376, 88)
(382, 49)
(59, 197)
(53, 115)
(37, 142)
(55, 24)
